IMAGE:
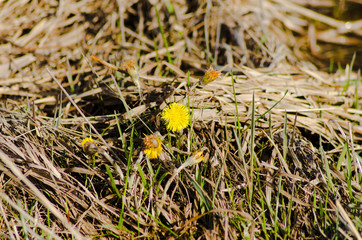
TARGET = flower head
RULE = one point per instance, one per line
(89, 146)
(209, 76)
(176, 116)
(196, 157)
(152, 145)
(130, 67)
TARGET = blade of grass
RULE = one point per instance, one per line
(326, 166)
(122, 99)
(341, 157)
(159, 222)
(163, 35)
(120, 222)
(349, 169)
(285, 93)
(250, 184)
(142, 175)
(236, 117)
(289, 215)
(357, 96)
(70, 77)
(169, 6)
(201, 192)
(349, 70)
(217, 184)
(276, 223)
(262, 202)
(206, 29)
(285, 137)
(113, 184)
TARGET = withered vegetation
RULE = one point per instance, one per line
(280, 129)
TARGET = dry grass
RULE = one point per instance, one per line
(282, 140)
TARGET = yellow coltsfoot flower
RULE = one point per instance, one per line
(130, 67)
(209, 76)
(152, 145)
(177, 117)
(89, 146)
(195, 158)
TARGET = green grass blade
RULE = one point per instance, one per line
(163, 35)
(159, 222)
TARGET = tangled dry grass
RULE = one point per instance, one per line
(282, 138)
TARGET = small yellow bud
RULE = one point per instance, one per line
(209, 76)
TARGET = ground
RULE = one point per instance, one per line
(180, 120)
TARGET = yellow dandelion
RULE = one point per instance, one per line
(89, 146)
(209, 76)
(152, 145)
(176, 116)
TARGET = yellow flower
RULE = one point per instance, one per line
(130, 67)
(209, 76)
(152, 145)
(197, 156)
(176, 116)
(89, 147)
